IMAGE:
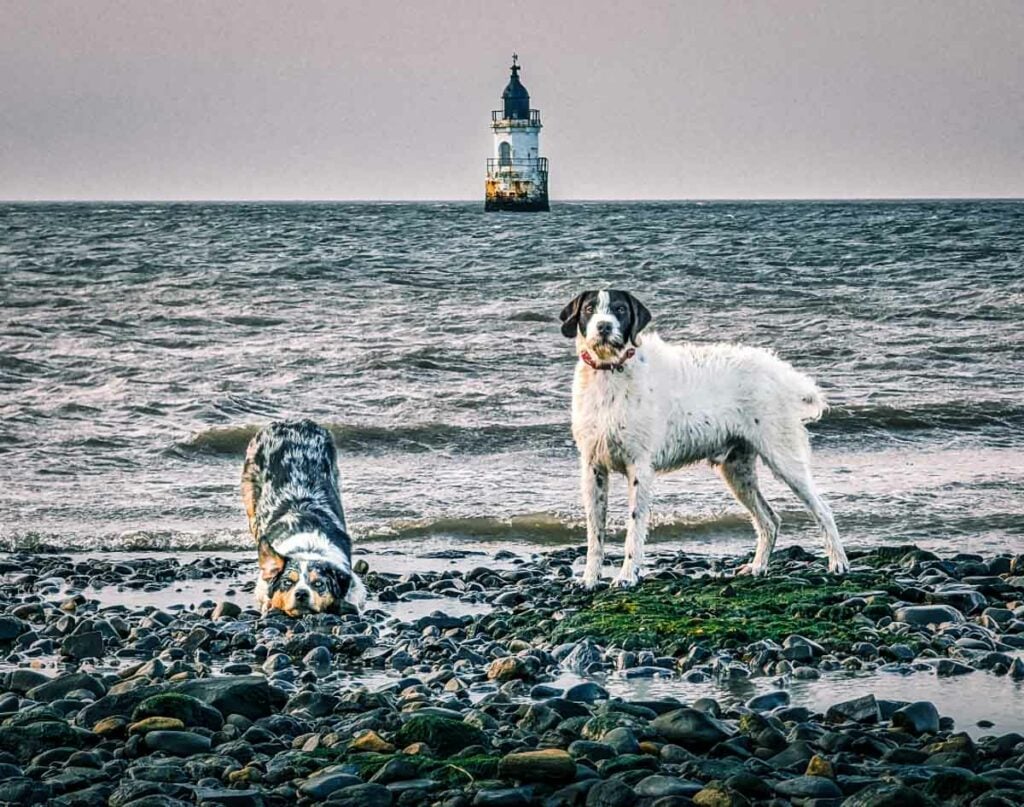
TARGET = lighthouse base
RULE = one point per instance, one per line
(521, 205)
(515, 196)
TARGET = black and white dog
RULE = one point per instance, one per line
(292, 496)
(641, 407)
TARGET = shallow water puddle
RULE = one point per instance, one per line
(967, 699)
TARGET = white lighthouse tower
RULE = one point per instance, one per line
(517, 176)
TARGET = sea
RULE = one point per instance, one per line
(142, 345)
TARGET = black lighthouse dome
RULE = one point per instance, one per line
(515, 96)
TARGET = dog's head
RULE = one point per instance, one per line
(606, 320)
(303, 584)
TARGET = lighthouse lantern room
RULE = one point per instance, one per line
(517, 176)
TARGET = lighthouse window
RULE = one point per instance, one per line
(505, 154)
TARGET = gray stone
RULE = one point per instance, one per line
(54, 689)
(917, 718)
(924, 615)
(587, 692)
(504, 797)
(769, 701)
(809, 787)
(690, 728)
(88, 644)
(368, 795)
(656, 786)
(322, 785)
(858, 710)
(178, 743)
(247, 695)
(610, 793)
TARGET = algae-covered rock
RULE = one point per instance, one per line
(442, 734)
(550, 765)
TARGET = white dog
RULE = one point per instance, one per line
(641, 407)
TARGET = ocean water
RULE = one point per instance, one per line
(141, 345)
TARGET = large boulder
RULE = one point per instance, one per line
(248, 695)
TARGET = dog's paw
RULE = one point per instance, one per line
(627, 579)
(753, 569)
(838, 566)
(588, 582)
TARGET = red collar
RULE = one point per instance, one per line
(618, 366)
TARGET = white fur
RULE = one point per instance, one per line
(673, 405)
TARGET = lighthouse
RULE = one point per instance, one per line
(517, 176)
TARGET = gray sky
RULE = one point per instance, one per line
(145, 99)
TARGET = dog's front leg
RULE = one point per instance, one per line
(594, 485)
(640, 478)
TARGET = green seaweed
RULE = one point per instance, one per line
(673, 615)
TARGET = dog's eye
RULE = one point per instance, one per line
(286, 583)
(319, 585)
(620, 309)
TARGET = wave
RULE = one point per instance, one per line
(427, 437)
(951, 416)
(954, 416)
(537, 528)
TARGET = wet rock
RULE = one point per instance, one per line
(808, 787)
(11, 628)
(925, 615)
(83, 645)
(370, 741)
(717, 794)
(858, 710)
(658, 786)
(503, 797)
(368, 795)
(948, 667)
(769, 701)
(57, 688)
(551, 765)
(510, 668)
(190, 711)
(587, 692)
(178, 743)
(443, 735)
(250, 695)
(322, 785)
(610, 793)
(115, 704)
(26, 741)
(917, 718)
(690, 728)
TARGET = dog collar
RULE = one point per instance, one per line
(618, 366)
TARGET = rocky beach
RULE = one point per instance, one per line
(491, 680)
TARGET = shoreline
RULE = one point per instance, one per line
(488, 679)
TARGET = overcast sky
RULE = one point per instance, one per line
(195, 99)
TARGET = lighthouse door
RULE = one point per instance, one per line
(504, 154)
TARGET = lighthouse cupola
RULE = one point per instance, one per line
(517, 176)
(516, 98)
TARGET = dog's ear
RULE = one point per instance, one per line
(271, 563)
(570, 315)
(640, 317)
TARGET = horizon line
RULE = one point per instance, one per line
(366, 200)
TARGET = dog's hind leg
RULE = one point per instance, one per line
(594, 486)
(739, 472)
(640, 478)
(795, 471)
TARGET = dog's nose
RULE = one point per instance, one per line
(604, 328)
(301, 595)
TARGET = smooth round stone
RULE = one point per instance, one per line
(179, 743)
(587, 692)
(809, 787)
(321, 786)
(768, 701)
